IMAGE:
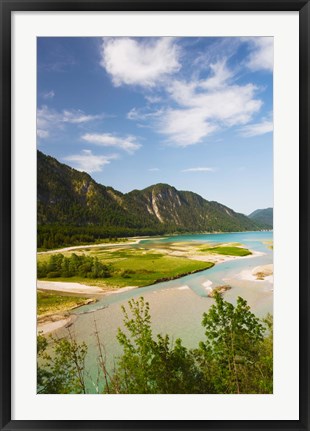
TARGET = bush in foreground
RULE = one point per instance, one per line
(234, 358)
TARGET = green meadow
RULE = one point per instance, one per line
(132, 267)
(49, 303)
(228, 251)
(135, 266)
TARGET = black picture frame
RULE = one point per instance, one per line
(7, 7)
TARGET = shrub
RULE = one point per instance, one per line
(53, 274)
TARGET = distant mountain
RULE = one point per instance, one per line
(263, 216)
(67, 197)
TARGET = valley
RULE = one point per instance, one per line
(73, 210)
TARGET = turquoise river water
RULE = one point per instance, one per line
(177, 305)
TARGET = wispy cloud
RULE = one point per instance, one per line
(86, 161)
(49, 120)
(55, 57)
(199, 107)
(257, 129)
(126, 143)
(153, 169)
(221, 74)
(139, 62)
(185, 127)
(221, 48)
(261, 57)
(206, 106)
(48, 94)
(42, 133)
(143, 114)
(78, 117)
(153, 99)
(199, 169)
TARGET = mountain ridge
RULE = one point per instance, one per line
(67, 197)
(263, 216)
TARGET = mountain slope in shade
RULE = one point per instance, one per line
(69, 197)
(263, 216)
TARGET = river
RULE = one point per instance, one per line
(177, 306)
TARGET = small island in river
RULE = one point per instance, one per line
(72, 277)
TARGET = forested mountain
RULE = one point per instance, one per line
(71, 203)
(183, 209)
(263, 216)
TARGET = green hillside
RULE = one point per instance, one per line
(263, 217)
(73, 209)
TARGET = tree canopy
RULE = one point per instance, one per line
(235, 357)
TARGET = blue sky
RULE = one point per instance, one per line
(195, 113)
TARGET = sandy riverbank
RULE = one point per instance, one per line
(79, 288)
(61, 286)
(51, 326)
(131, 241)
(212, 257)
(79, 247)
(51, 322)
(258, 274)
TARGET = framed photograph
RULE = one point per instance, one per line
(154, 215)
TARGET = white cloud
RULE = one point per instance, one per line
(185, 126)
(88, 162)
(78, 117)
(199, 169)
(261, 58)
(153, 169)
(256, 129)
(48, 94)
(42, 133)
(202, 106)
(143, 114)
(153, 99)
(220, 75)
(139, 62)
(128, 143)
(204, 109)
(48, 120)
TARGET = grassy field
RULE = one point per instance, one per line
(135, 266)
(49, 303)
(144, 265)
(228, 251)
